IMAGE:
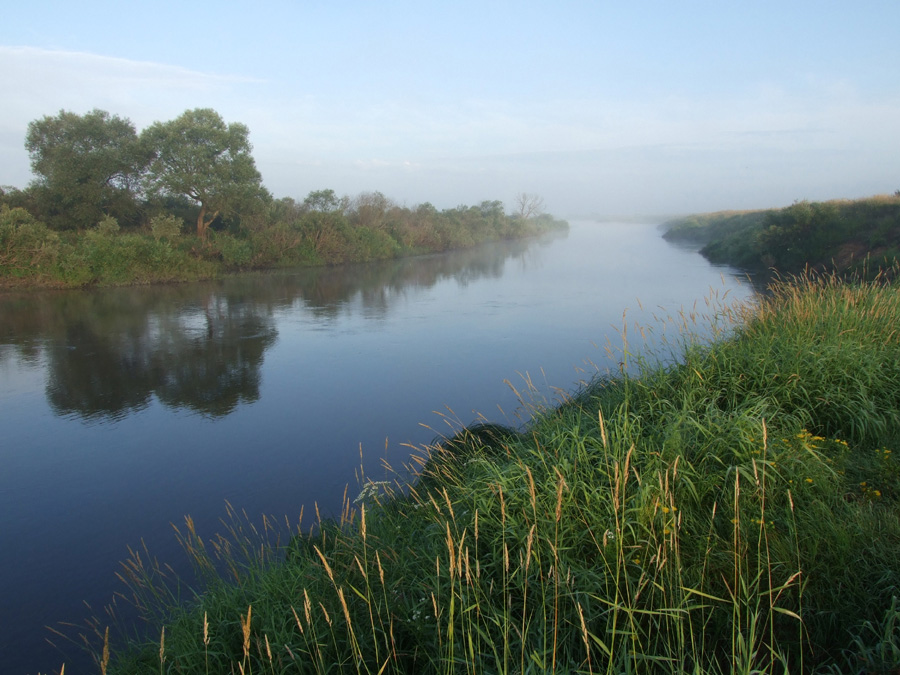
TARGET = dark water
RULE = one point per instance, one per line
(123, 410)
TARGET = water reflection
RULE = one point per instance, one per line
(200, 347)
(108, 353)
(123, 410)
(205, 357)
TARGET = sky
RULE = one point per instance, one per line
(601, 108)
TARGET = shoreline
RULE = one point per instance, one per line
(218, 270)
(633, 506)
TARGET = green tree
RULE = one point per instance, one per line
(199, 156)
(87, 166)
(325, 200)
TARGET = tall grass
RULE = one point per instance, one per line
(734, 511)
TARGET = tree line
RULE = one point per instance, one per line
(110, 205)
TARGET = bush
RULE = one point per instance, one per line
(166, 226)
(27, 247)
(235, 253)
(374, 244)
(108, 226)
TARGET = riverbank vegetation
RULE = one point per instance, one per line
(844, 235)
(183, 200)
(736, 509)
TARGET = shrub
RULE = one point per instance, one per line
(27, 247)
(166, 226)
(108, 226)
(235, 253)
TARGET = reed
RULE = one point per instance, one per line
(732, 510)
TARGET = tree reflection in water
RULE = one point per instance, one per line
(200, 347)
(204, 357)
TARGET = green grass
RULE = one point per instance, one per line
(735, 511)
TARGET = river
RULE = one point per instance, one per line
(123, 410)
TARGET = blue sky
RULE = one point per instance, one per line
(601, 107)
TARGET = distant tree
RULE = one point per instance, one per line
(15, 198)
(325, 200)
(197, 155)
(491, 209)
(87, 166)
(529, 205)
(371, 209)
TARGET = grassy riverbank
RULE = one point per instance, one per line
(846, 235)
(737, 512)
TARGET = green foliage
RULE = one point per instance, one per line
(93, 169)
(801, 233)
(843, 235)
(128, 258)
(197, 155)
(324, 200)
(86, 166)
(108, 226)
(166, 226)
(876, 648)
(235, 253)
(15, 198)
(28, 249)
(278, 245)
(375, 244)
(716, 515)
(337, 231)
(103, 256)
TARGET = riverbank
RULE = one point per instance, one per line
(850, 236)
(737, 511)
(34, 256)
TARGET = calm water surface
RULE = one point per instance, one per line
(122, 410)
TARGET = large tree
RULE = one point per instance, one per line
(199, 156)
(87, 166)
